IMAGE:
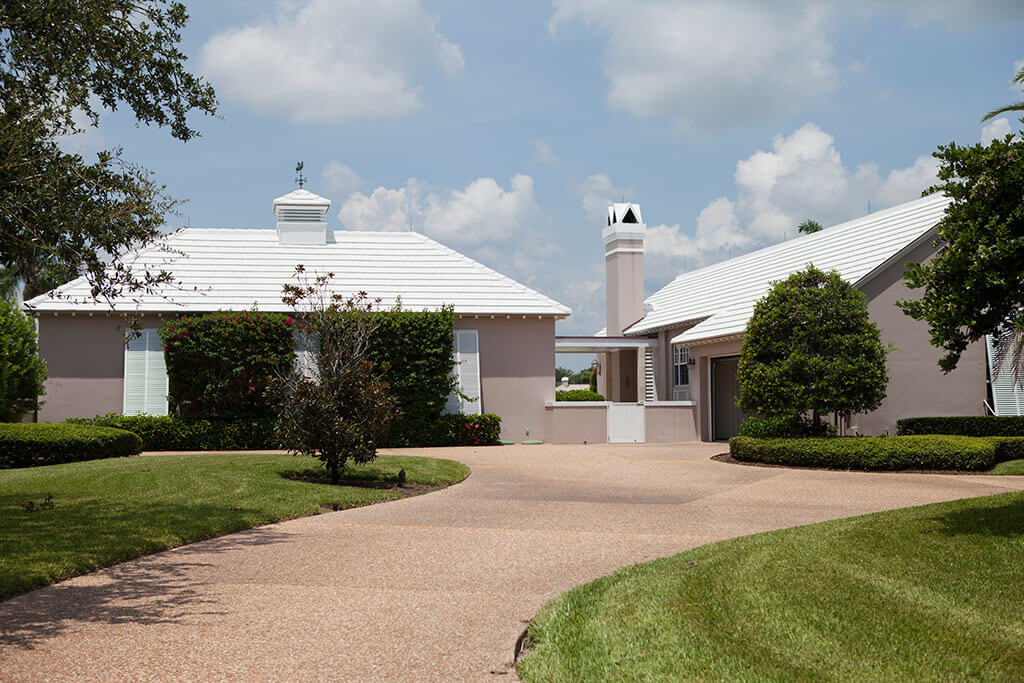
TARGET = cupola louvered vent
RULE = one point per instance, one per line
(301, 218)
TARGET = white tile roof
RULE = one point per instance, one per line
(721, 297)
(222, 269)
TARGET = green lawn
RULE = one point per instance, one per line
(1009, 467)
(107, 511)
(927, 593)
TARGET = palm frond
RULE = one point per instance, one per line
(1008, 354)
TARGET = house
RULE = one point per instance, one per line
(504, 331)
(668, 364)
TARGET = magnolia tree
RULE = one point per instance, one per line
(810, 349)
(975, 284)
(334, 403)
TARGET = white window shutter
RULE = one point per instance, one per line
(156, 375)
(467, 374)
(1007, 397)
(135, 376)
(145, 375)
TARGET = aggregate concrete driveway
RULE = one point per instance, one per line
(435, 587)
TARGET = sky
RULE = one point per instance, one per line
(503, 130)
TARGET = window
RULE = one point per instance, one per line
(467, 371)
(145, 375)
(681, 364)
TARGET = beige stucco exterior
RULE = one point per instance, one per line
(570, 422)
(917, 387)
(85, 362)
(517, 369)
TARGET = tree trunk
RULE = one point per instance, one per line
(335, 470)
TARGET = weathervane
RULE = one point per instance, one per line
(299, 178)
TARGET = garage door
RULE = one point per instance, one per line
(726, 417)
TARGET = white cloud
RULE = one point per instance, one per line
(707, 65)
(332, 60)
(998, 129)
(543, 155)
(802, 177)
(481, 214)
(597, 192)
(339, 180)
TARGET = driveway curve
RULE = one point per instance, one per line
(434, 587)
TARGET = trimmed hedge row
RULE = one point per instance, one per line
(967, 425)
(784, 427)
(932, 452)
(171, 433)
(33, 445)
(578, 395)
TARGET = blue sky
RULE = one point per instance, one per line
(503, 129)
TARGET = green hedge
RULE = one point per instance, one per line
(874, 453)
(578, 395)
(1008, 448)
(967, 425)
(171, 433)
(784, 427)
(32, 445)
(219, 365)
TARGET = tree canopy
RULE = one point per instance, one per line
(811, 348)
(58, 59)
(974, 286)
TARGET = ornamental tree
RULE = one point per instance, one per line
(334, 403)
(810, 348)
(974, 286)
(22, 371)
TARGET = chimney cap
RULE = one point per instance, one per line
(624, 212)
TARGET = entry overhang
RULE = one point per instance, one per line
(600, 344)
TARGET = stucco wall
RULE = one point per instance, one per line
(517, 370)
(579, 423)
(700, 378)
(917, 387)
(85, 365)
(671, 423)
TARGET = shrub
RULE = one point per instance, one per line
(578, 395)
(784, 427)
(871, 453)
(414, 351)
(811, 348)
(219, 365)
(32, 445)
(22, 371)
(173, 433)
(967, 425)
(1008, 448)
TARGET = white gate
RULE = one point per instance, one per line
(626, 423)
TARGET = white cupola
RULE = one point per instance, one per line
(301, 218)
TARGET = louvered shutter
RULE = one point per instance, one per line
(145, 375)
(1007, 398)
(467, 374)
(156, 375)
